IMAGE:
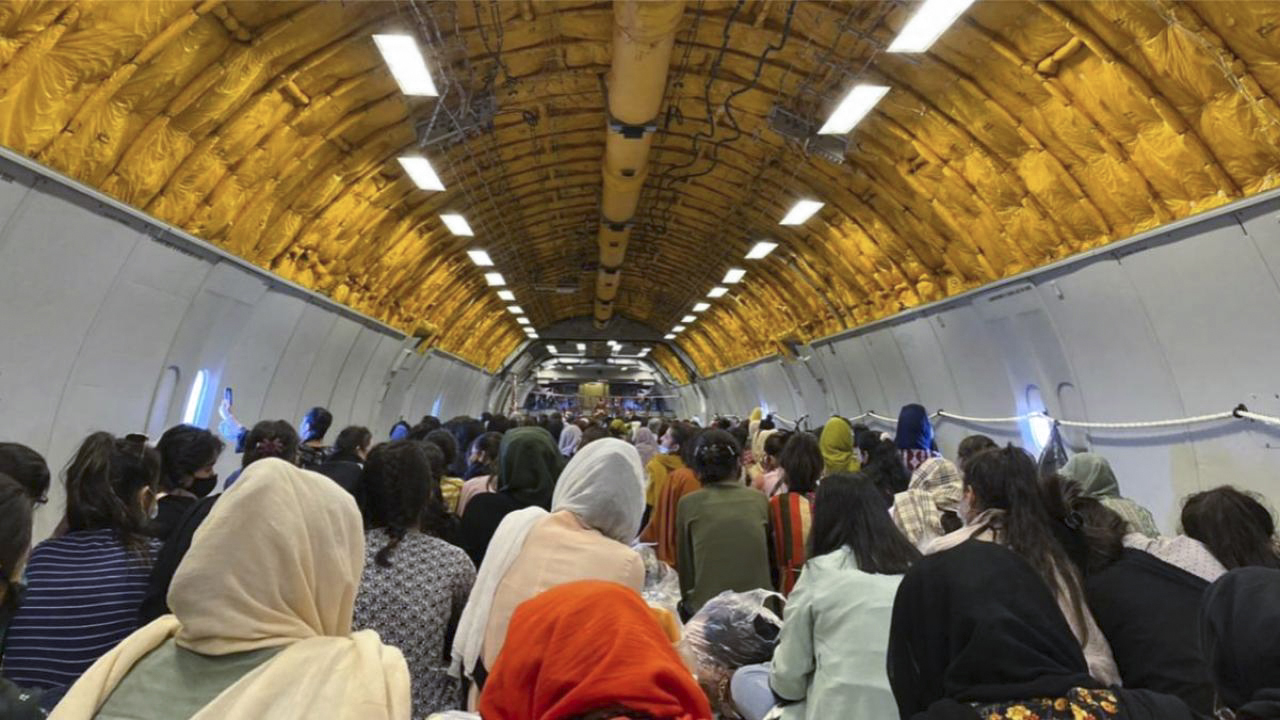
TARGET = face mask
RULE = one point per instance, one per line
(665, 450)
(201, 487)
(154, 511)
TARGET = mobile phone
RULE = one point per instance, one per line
(226, 396)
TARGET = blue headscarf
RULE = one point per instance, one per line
(915, 432)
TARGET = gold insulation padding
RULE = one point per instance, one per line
(1029, 132)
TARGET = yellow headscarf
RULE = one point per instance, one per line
(276, 564)
(837, 447)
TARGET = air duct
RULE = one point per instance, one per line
(644, 34)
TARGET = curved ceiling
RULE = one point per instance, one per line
(1029, 132)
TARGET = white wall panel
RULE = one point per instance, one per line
(284, 397)
(342, 403)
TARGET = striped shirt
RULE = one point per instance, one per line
(83, 593)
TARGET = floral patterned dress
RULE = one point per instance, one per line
(415, 605)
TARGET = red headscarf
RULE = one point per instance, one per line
(586, 646)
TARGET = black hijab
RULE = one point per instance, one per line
(977, 624)
(1240, 635)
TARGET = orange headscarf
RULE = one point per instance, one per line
(587, 646)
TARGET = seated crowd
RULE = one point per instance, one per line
(502, 566)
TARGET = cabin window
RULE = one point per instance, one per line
(1040, 427)
(193, 411)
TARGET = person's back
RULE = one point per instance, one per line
(83, 594)
(723, 542)
(662, 528)
(559, 549)
(85, 587)
(1149, 611)
(832, 648)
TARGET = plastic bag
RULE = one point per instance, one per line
(733, 629)
(661, 582)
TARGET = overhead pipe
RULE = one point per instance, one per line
(644, 35)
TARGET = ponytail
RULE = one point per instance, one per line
(104, 480)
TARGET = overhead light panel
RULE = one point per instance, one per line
(931, 19)
(801, 211)
(494, 279)
(734, 276)
(457, 224)
(688, 318)
(480, 257)
(668, 336)
(678, 329)
(515, 309)
(761, 250)
(582, 347)
(420, 172)
(701, 307)
(717, 292)
(529, 330)
(645, 352)
(552, 349)
(522, 320)
(407, 65)
(855, 106)
(507, 295)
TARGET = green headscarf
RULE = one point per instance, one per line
(1094, 475)
(837, 447)
(529, 463)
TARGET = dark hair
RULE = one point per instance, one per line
(774, 443)
(867, 440)
(270, 438)
(850, 511)
(27, 468)
(1007, 478)
(352, 439)
(971, 446)
(490, 445)
(884, 466)
(681, 433)
(497, 423)
(1091, 533)
(436, 457)
(318, 422)
(740, 434)
(184, 449)
(448, 445)
(715, 456)
(427, 425)
(465, 430)
(104, 480)
(722, 424)
(15, 535)
(801, 462)
(1236, 528)
(593, 433)
(402, 494)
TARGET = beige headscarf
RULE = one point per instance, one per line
(276, 564)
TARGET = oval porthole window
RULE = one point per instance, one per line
(1040, 426)
(195, 399)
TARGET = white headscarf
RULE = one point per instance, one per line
(276, 564)
(603, 486)
(570, 436)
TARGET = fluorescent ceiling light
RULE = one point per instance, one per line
(494, 279)
(582, 347)
(717, 292)
(678, 329)
(552, 349)
(480, 258)
(529, 330)
(645, 352)
(701, 306)
(407, 66)
(507, 295)
(532, 335)
(420, 172)
(762, 250)
(688, 318)
(734, 276)
(668, 336)
(457, 224)
(932, 18)
(515, 309)
(522, 320)
(855, 106)
(800, 212)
